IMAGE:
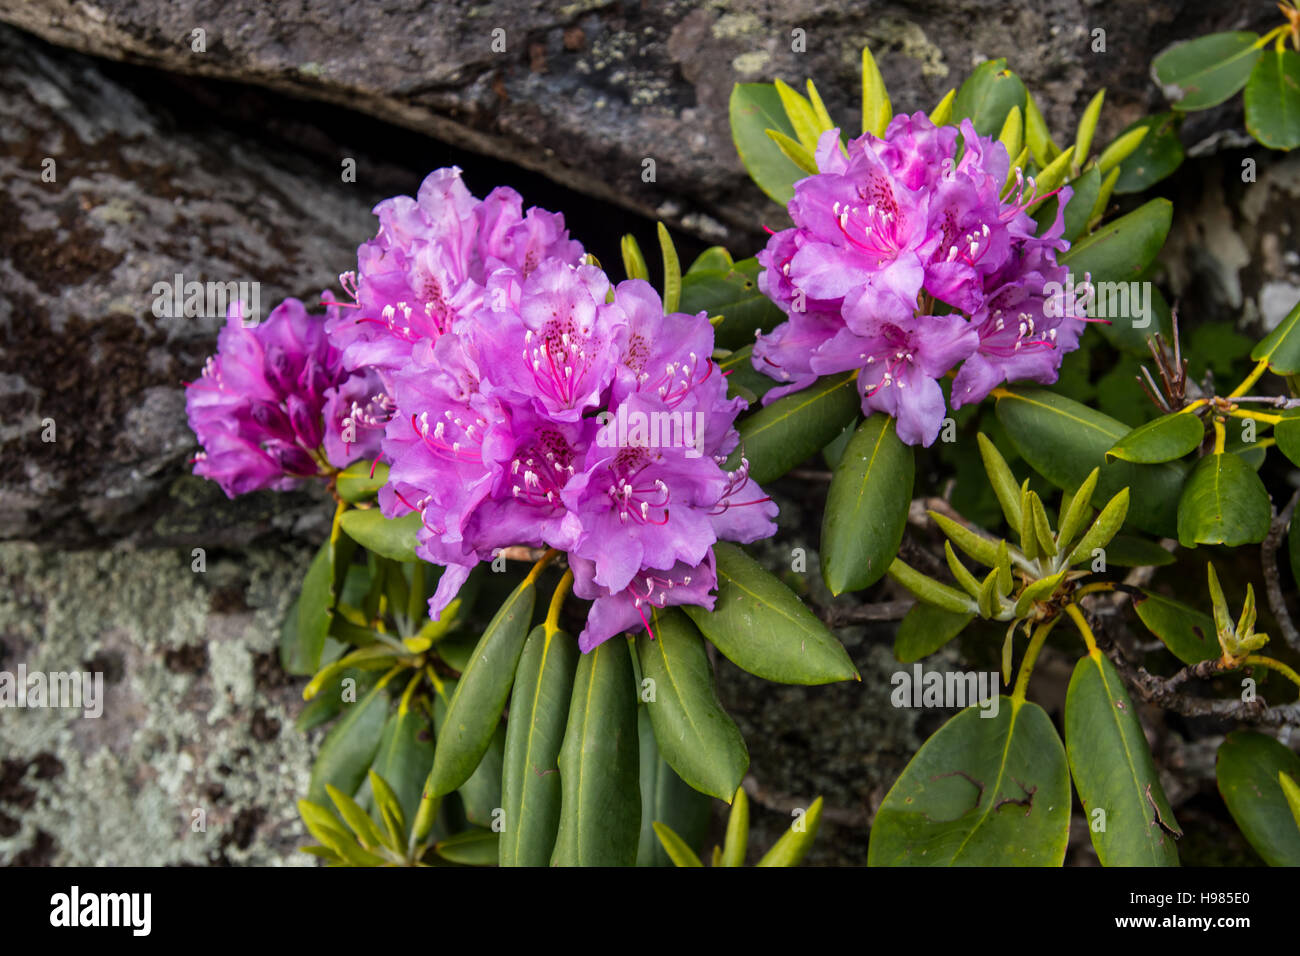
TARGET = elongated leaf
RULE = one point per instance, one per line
(675, 847)
(539, 709)
(866, 508)
(1130, 551)
(1223, 502)
(357, 482)
(1063, 441)
(987, 97)
(1247, 770)
(348, 750)
(796, 427)
(1157, 156)
(733, 293)
(795, 843)
(1287, 435)
(1281, 347)
(475, 709)
(982, 791)
(1188, 633)
(393, 539)
(925, 629)
(600, 810)
(876, 109)
(1164, 439)
(762, 627)
(695, 735)
(737, 839)
(1273, 99)
(1078, 210)
(477, 847)
(1206, 71)
(754, 109)
(480, 795)
(665, 798)
(1114, 772)
(404, 757)
(302, 644)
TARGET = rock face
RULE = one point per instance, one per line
(587, 91)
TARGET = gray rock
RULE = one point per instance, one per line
(586, 91)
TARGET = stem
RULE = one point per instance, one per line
(1220, 437)
(540, 566)
(1275, 33)
(1193, 406)
(1259, 660)
(1081, 622)
(1250, 379)
(1094, 588)
(1266, 417)
(557, 602)
(1031, 657)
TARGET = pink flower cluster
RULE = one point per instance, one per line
(903, 263)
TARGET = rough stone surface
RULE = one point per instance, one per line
(585, 91)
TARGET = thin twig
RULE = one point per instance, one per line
(1272, 580)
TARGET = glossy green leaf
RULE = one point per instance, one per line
(866, 507)
(982, 791)
(357, 483)
(302, 644)
(1166, 438)
(1064, 440)
(987, 97)
(1037, 137)
(475, 709)
(1005, 486)
(404, 757)
(926, 628)
(795, 427)
(1188, 633)
(349, 748)
(1247, 770)
(480, 795)
(634, 264)
(672, 270)
(1121, 250)
(695, 735)
(539, 709)
(1201, 73)
(476, 847)
(675, 847)
(1273, 99)
(736, 841)
(795, 843)
(754, 109)
(1287, 434)
(1114, 771)
(1281, 347)
(743, 379)
(763, 628)
(733, 293)
(665, 798)
(930, 591)
(1223, 502)
(1157, 156)
(600, 809)
(389, 538)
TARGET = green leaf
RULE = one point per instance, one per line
(1078, 210)
(349, 748)
(866, 507)
(733, 293)
(1273, 100)
(1037, 137)
(1188, 633)
(355, 482)
(1281, 347)
(301, 646)
(1088, 126)
(941, 115)
(762, 627)
(695, 735)
(475, 709)
(1223, 502)
(796, 427)
(1063, 441)
(1166, 438)
(600, 810)
(876, 108)
(539, 708)
(754, 109)
(736, 841)
(389, 538)
(1105, 527)
(1204, 72)
(634, 264)
(982, 791)
(481, 793)
(475, 847)
(929, 590)
(672, 270)
(799, 111)
(1130, 551)
(675, 846)
(795, 843)
(1114, 772)
(926, 628)
(1004, 483)
(987, 97)
(665, 798)
(1247, 770)
(1157, 156)
(404, 757)
(1287, 434)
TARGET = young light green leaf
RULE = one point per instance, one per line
(736, 841)
(675, 846)
(1088, 126)
(876, 108)
(930, 591)
(634, 264)
(795, 843)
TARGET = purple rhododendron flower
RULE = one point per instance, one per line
(554, 418)
(904, 263)
(259, 408)
(428, 266)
